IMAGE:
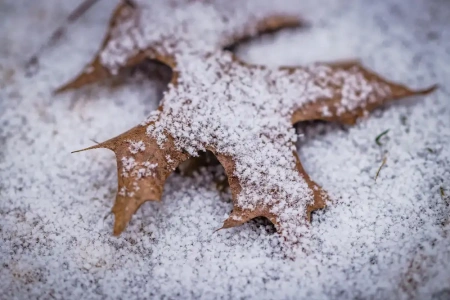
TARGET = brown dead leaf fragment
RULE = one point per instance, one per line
(241, 113)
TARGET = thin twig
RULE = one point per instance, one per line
(379, 169)
(32, 64)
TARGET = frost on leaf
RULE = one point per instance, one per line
(242, 113)
(142, 173)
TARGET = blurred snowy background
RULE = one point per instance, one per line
(387, 239)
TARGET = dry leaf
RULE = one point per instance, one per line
(241, 112)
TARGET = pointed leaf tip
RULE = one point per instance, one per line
(218, 229)
(89, 148)
(403, 91)
(428, 90)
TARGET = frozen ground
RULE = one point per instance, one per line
(387, 239)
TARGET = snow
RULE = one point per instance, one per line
(383, 239)
(241, 111)
(193, 26)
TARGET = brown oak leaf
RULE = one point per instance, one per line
(240, 112)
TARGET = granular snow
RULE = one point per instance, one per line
(383, 239)
(241, 111)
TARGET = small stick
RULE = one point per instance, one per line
(32, 64)
(379, 169)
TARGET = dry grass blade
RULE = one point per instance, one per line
(379, 169)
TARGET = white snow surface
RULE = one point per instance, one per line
(241, 111)
(383, 239)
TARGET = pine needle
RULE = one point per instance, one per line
(377, 139)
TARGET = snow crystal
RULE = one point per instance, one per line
(128, 164)
(136, 147)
